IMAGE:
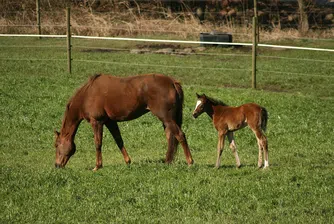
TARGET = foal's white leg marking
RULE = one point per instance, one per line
(234, 148)
(266, 163)
(236, 155)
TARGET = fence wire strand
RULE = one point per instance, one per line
(165, 66)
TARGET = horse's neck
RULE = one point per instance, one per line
(70, 124)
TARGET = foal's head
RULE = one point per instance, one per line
(201, 105)
(64, 150)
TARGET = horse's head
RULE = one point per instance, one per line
(64, 150)
(200, 105)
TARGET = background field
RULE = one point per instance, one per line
(298, 187)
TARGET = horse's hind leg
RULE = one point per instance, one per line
(114, 130)
(233, 147)
(172, 145)
(98, 131)
(172, 129)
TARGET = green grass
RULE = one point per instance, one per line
(297, 188)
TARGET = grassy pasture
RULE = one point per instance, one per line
(298, 187)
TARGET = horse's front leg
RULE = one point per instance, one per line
(220, 147)
(98, 131)
(233, 147)
(114, 130)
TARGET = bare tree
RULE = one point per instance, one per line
(303, 18)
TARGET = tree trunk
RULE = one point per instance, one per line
(303, 18)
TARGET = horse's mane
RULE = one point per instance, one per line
(87, 84)
(81, 90)
(215, 102)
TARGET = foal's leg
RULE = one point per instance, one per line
(173, 129)
(98, 131)
(114, 130)
(233, 147)
(220, 147)
(263, 146)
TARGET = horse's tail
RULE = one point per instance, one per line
(179, 103)
(264, 118)
(178, 114)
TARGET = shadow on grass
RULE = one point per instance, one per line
(161, 161)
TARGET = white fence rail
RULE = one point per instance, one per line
(168, 41)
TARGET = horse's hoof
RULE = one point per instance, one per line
(190, 162)
(128, 162)
(238, 166)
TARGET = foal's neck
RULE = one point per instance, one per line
(210, 110)
(215, 109)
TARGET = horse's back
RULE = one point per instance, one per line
(123, 98)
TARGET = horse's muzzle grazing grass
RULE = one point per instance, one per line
(107, 100)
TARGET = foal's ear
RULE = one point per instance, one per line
(56, 133)
(197, 95)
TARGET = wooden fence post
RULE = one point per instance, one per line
(69, 59)
(254, 46)
(38, 14)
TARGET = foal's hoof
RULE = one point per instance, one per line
(96, 168)
(238, 166)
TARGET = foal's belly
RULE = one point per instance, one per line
(236, 126)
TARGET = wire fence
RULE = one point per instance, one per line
(330, 62)
(137, 28)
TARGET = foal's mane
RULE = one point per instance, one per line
(215, 102)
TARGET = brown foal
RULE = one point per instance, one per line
(227, 119)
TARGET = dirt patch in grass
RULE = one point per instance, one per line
(158, 46)
(102, 50)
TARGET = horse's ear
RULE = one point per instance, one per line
(56, 133)
(197, 95)
(204, 95)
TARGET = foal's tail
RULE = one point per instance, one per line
(264, 118)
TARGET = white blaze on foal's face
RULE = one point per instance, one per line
(199, 102)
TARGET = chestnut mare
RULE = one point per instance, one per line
(106, 100)
(227, 119)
